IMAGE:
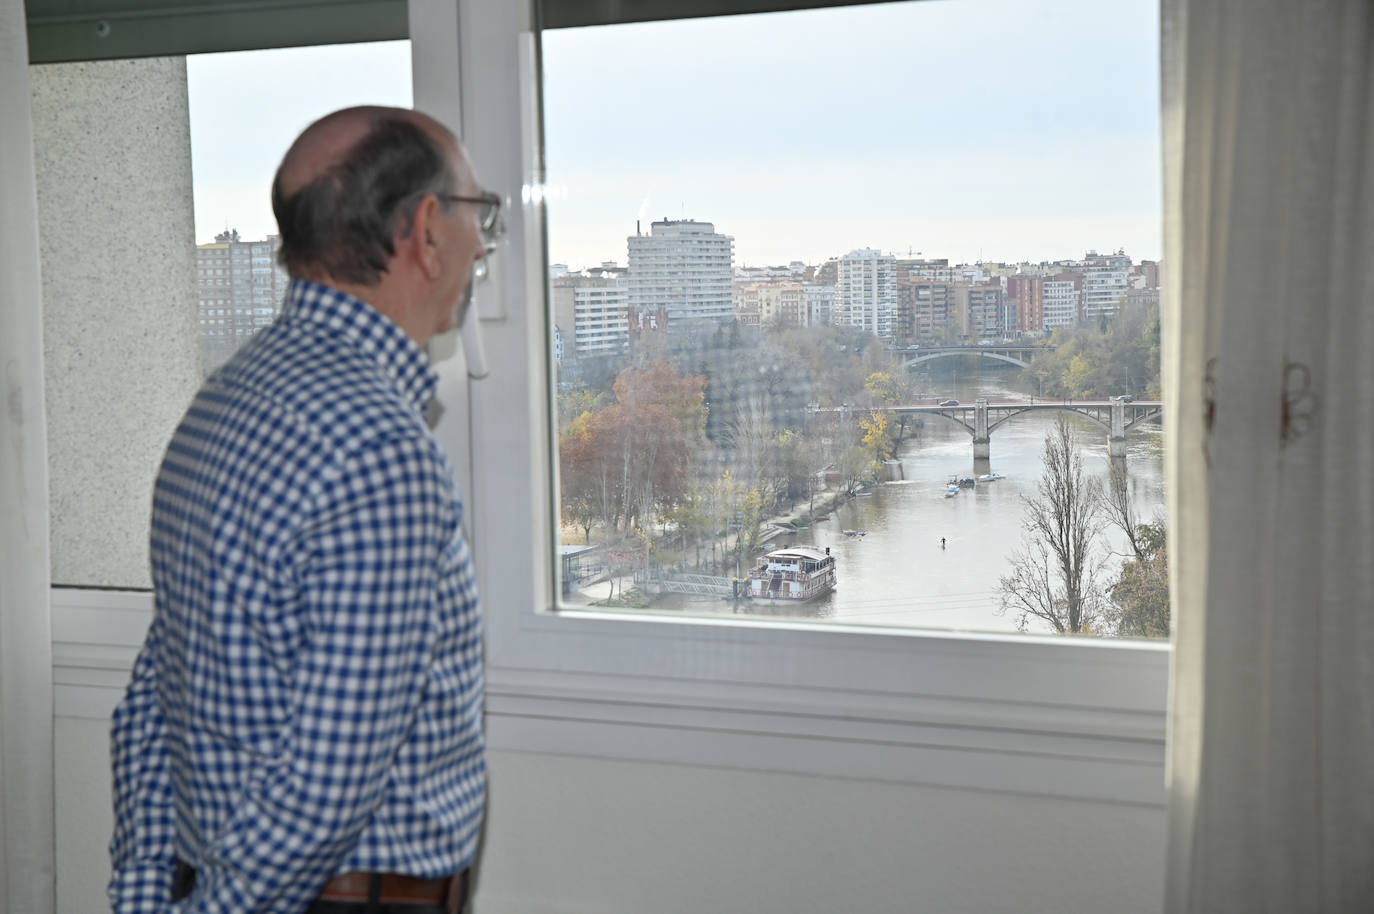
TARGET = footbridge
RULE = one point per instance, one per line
(1019, 354)
(983, 416)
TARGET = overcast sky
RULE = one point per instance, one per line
(955, 128)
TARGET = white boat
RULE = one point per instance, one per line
(951, 491)
(990, 477)
(797, 574)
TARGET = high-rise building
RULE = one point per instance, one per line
(240, 288)
(684, 269)
(931, 306)
(983, 308)
(866, 292)
(1104, 282)
(1026, 298)
(1063, 298)
(591, 313)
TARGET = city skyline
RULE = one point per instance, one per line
(924, 127)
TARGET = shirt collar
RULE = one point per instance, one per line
(372, 332)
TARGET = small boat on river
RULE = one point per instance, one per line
(990, 477)
(951, 490)
(797, 574)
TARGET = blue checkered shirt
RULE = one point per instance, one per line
(308, 699)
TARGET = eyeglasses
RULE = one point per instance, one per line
(489, 223)
(489, 220)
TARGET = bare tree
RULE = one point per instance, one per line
(1120, 511)
(1054, 573)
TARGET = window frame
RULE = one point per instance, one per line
(1078, 718)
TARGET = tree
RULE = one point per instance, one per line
(892, 389)
(1140, 596)
(1141, 593)
(1119, 509)
(1054, 572)
(628, 461)
(856, 466)
(877, 437)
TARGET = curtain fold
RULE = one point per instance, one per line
(1269, 340)
(27, 864)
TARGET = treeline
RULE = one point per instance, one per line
(1112, 357)
(683, 454)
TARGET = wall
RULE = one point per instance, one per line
(571, 835)
(112, 151)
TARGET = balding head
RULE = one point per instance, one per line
(348, 187)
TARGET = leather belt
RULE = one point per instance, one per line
(449, 892)
(395, 888)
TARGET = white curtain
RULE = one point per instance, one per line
(1269, 348)
(26, 728)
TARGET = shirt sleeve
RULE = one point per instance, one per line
(369, 563)
(141, 850)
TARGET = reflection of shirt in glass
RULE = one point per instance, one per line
(308, 698)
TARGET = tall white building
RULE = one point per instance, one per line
(591, 314)
(1062, 299)
(866, 292)
(684, 269)
(1104, 282)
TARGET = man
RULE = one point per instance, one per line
(302, 731)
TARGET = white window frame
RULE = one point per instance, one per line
(1066, 717)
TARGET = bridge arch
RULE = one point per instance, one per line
(947, 354)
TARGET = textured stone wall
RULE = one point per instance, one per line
(112, 150)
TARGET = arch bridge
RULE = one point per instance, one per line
(1018, 354)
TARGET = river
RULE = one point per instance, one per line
(899, 575)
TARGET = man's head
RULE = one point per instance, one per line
(364, 200)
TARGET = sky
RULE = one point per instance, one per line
(967, 129)
(247, 106)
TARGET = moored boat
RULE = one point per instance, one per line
(798, 574)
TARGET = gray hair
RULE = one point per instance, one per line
(342, 223)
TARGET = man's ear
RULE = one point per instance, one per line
(426, 237)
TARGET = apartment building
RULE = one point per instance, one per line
(1062, 300)
(866, 292)
(591, 314)
(684, 268)
(1026, 302)
(240, 287)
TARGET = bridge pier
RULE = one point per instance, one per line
(1116, 441)
(982, 438)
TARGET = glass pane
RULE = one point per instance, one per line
(246, 108)
(830, 292)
